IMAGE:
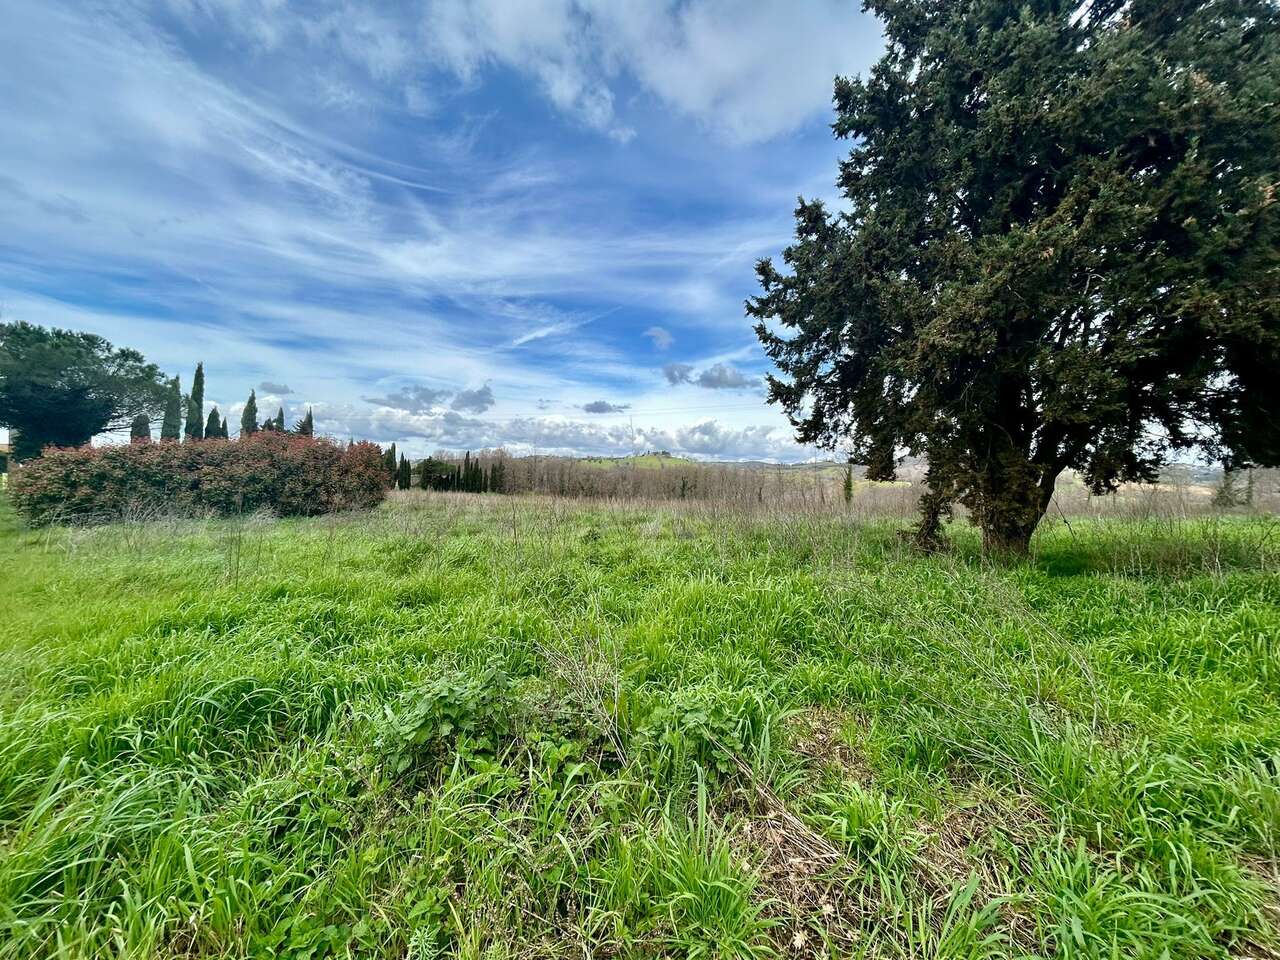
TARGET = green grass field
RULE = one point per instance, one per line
(490, 727)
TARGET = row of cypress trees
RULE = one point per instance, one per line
(470, 476)
(197, 427)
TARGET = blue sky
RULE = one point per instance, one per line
(448, 223)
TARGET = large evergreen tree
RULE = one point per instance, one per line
(404, 475)
(140, 429)
(171, 426)
(213, 426)
(389, 460)
(61, 388)
(249, 416)
(194, 429)
(305, 427)
(1059, 251)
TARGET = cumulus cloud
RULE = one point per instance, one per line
(473, 401)
(706, 439)
(718, 376)
(414, 399)
(678, 373)
(604, 406)
(721, 376)
(275, 389)
(661, 337)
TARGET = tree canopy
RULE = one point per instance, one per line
(249, 416)
(194, 428)
(61, 388)
(1058, 249)
(171, 425)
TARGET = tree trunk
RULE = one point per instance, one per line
(934, 505)
(1013, 498)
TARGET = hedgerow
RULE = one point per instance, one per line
(288, 474)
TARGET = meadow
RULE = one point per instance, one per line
(501, 727)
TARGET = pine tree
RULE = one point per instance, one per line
(305, 427)
(249, 418)
(171, 426)
(404, 477)
(213, 426)
(140, 429)
(195, 407)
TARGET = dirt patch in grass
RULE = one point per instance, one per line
(806, 882)
(988, 837)
(818, 735)
(1268, 871)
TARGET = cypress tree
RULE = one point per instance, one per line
(279, 421)
(213, 426)
(249, 418)
(195, 407)
(305, 427)
(404, 478)
(1055, 250)
(140, 429)
(389, 460)
(171, 426)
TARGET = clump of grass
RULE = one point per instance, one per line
(482, 727)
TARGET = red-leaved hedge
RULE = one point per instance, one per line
(287, 474)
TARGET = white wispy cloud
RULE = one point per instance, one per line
(293, 194)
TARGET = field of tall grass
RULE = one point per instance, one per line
(502, 727)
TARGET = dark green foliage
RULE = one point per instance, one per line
(60, 388)
(249, 416)
(213, 426)
(305, 427)
(140, 429)
(278, 424)
(389, 460)
(470, 713)
(469, 476)
(848, 484)
(194, 429)
(171, 426)
(1060, 251)
(404, 476)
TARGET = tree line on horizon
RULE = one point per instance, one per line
(471, 475)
